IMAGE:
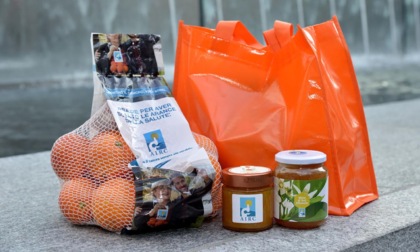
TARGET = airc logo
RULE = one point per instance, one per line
(247, 209)
(155, 142)
(118, 56)
(162, 214)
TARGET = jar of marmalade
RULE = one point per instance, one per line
(247, 198)
(300, 189)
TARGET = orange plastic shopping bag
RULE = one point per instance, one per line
(324, 108)
(221, 86)
(299, 92)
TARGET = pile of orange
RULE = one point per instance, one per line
(98, 187)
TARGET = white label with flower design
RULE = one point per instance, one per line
(300, 200)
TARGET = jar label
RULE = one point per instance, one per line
(300, 200)
(247, 208)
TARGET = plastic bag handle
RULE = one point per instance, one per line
(236, 31)
(279, 35)
(271, 40)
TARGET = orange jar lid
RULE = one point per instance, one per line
(247, 177)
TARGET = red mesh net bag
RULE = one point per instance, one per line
(116, 172)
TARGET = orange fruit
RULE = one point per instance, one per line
(109, 156)
(113, 204)
(75, 200)
(68, 156)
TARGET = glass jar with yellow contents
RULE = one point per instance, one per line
(247, 198)
(300, 189)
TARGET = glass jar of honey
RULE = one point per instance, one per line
(300, 189)
(247, 198)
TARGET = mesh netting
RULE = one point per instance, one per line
(97, 185)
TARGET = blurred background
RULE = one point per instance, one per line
(46, 62)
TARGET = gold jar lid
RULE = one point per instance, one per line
(247, 177)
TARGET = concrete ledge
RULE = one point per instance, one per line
(31, 221)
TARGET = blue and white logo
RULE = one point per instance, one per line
(302, 212)
(162, 214)
(155, 142)
(247, 208)
(118, 56)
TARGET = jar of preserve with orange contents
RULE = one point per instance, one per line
(300, 189)
(247, 198)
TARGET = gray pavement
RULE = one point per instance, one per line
(31, 221)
